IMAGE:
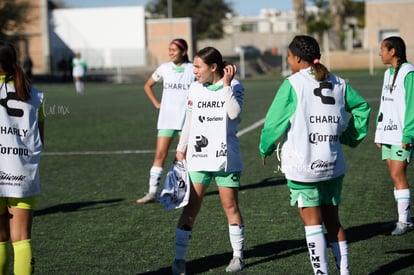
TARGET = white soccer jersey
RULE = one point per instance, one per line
(390, 120)
(20, 143)
(212, 142)
(174, 94)
(312, 151)
(79, 65)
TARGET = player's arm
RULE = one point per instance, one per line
(277, 118)
(150, 92)
(358, 123)
(408, 130)
(41, 122)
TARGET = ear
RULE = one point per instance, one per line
(392, 52)
(213, 67)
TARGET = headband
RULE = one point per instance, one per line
(179, 44)
(297, 52)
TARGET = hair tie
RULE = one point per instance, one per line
(315, 61)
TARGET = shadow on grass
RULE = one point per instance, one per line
(73, 206)
(282, 249)
(264, 183)
(267, 252)
(397, 265)
(367, 231)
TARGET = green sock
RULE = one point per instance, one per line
(23, 258)
(4, 258)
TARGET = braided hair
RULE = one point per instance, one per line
(307, 48)
(396, 43)
(14, 72)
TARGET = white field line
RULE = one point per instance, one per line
(126, 152)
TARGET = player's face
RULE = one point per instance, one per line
(176, 54)
(292, 61)
(202, 71)
(385, 54)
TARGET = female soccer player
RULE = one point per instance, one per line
(211, 148)
(395, 124)
(310, 111)
(21, 135)
(176, 75)
(78, 73)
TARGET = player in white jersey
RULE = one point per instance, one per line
(21, 135)
(211, 148)
(176, 76)
(395, 124)
(78, 72)
(310, 112)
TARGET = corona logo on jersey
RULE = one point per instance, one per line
(11, 111)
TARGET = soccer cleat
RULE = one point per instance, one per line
(400, 228)
(236, 264)
(178, 267)
(149, 197)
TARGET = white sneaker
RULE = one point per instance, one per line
(149, 197)
(401, 228)
(178, 267)
(236, 264)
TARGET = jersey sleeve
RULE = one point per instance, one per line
(234, 100)
(408, 130)
(277, 118)
(158, 74)
(358, 123)
(41, 112)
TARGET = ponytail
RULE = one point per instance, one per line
(21, 83)
(14, 72)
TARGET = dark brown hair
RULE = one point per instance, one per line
(14, 72)
(183, 46)
(396, 43)
(307, 48)
(211, 56)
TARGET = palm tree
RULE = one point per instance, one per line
(299, 8)
(337, 8)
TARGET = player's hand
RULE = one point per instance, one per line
(229, 73)
(179, 156)
(406, 146)
(378, 145)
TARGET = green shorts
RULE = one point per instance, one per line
(168, 133)
(395, 152)
(222, 178)
(317, 193)
(22, 203)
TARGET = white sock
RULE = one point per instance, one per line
(78, 87)
(340, 252)
(81, 87)
(315, 239)
(402, 197)
(182, 241)
(155, 177)
(236, 233)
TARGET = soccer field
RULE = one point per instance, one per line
(98, 152)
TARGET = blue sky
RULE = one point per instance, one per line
(243, 7)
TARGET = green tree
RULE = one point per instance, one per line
(13, 17)
(207, 14)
